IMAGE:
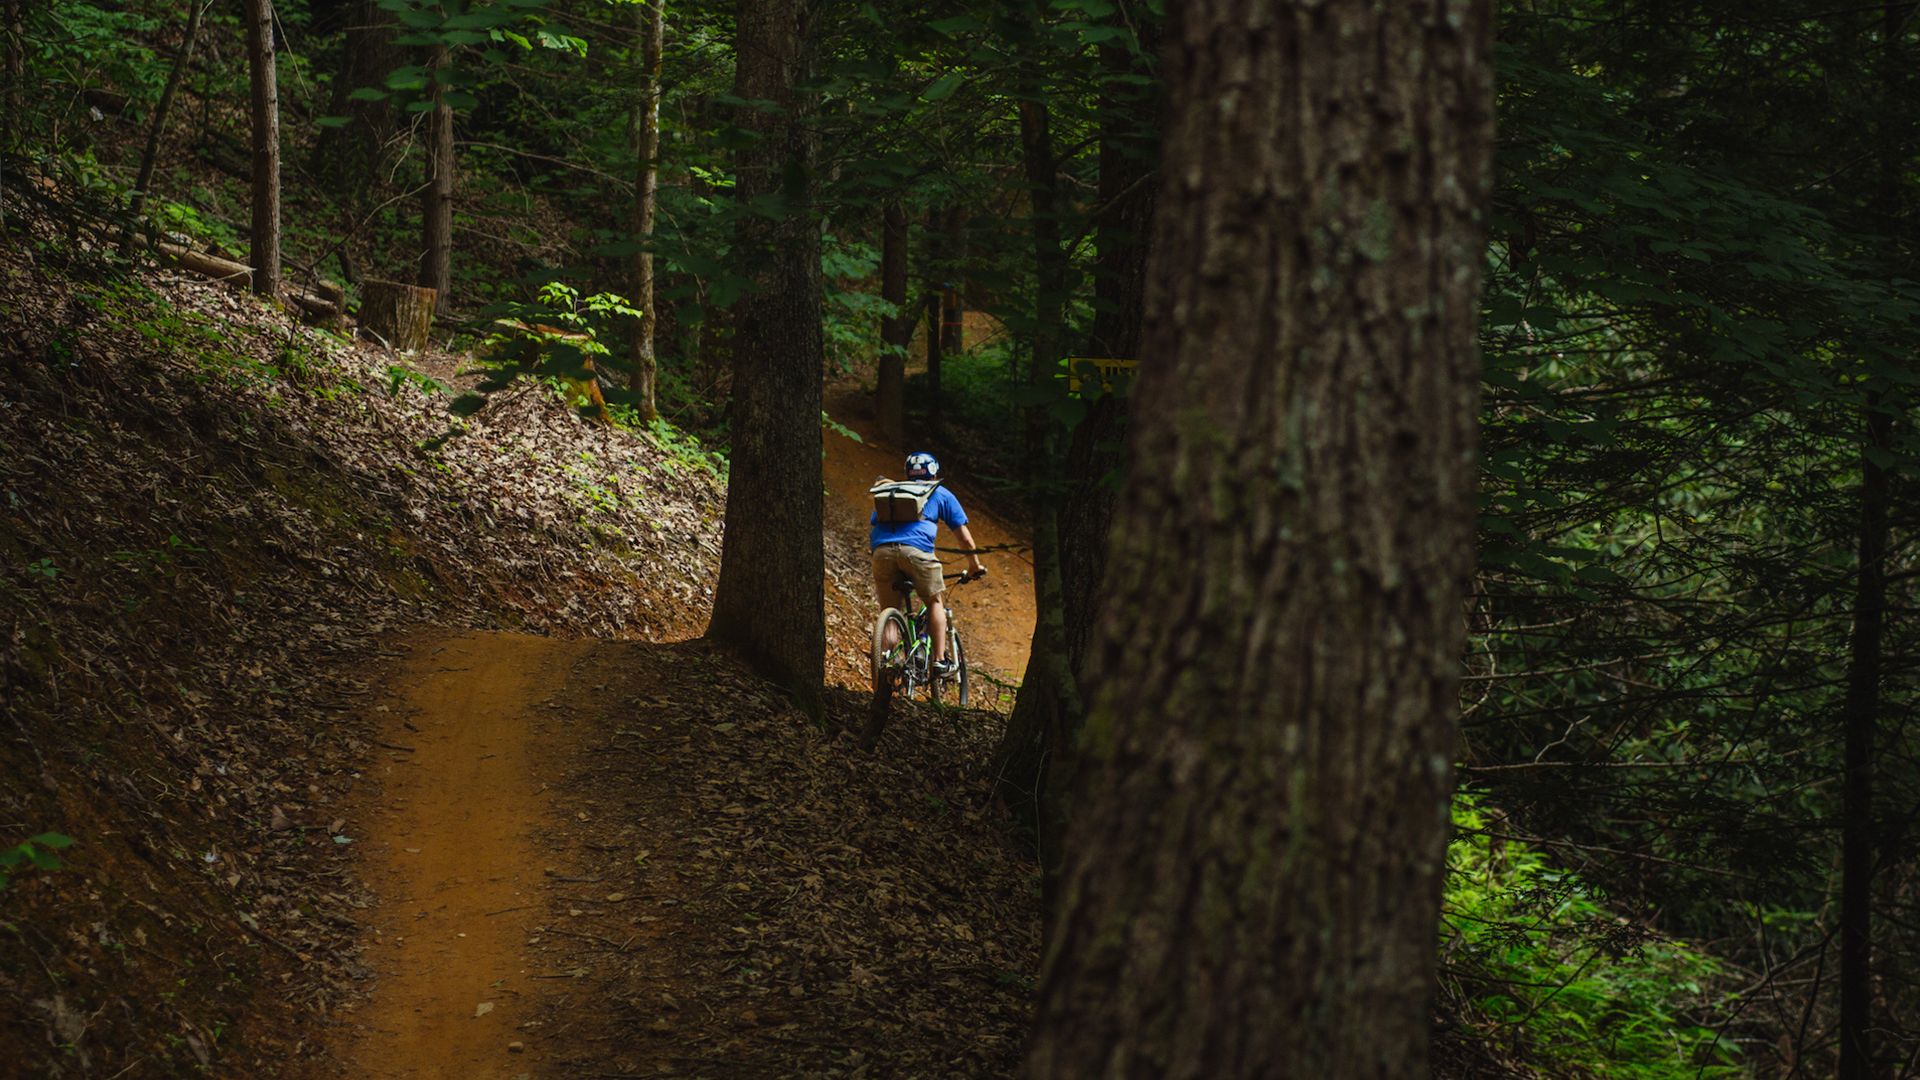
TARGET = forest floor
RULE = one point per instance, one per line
(381, 759)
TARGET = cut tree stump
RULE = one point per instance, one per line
(398, 314)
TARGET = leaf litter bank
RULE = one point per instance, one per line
(210, 521)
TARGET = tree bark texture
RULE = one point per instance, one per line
(150, 154)
(768, 602)
(265, 238)
(399, 314)
(1255, 861)
(896, 332)
(436, 210)
(642, 363)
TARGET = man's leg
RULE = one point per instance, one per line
(937, 626)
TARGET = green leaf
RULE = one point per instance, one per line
(957, 24)
(944, 86)
(368, 93)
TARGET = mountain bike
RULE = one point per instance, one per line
(903, 655)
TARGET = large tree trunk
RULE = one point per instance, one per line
(651, 27)
(266, 148)
(436, 210)
(1255, 859)
(896, 332)
(768, 602)
(348, 158)
(1033, 764)
(150, 154)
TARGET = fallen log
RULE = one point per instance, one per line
(213, 266)
(318, 309)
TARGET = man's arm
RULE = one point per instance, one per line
(973, 556)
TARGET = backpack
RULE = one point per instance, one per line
(895, 501)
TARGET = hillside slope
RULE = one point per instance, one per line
(212, 526)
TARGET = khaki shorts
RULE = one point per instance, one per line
(894, 561)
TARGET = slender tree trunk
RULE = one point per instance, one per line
(266, 148)
(768, 602)
(896, 333)
(14, 70)
(651, 25)
(1049, 703)
(1257, 847)
(150, 154)
(436, 210)
(953, 337)
(934, 307)
(1860, 714)
(1860, 709)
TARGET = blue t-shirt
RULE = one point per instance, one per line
(941, 509)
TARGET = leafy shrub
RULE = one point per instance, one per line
(1538, 956)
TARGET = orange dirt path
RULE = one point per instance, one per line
(455, 854)
(996, 614)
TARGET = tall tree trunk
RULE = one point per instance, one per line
(1033, 763)
(348, 158)
(266, 148)
(1256, 853)
(896, 332)
(953, 304)
(651, 23)
(15, 71)
(1860, 712)
(436, 209)
(150, 154)
(1049, 702)
(1860, 709)
(934, 306)
(768, 602)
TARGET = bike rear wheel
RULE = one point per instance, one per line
(889, 645)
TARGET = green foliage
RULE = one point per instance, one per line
(34, 853)
(685, 451)
(1536, 953)
(555, 337)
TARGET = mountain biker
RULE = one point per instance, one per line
(905, 549)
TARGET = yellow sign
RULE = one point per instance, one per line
(1105, 368)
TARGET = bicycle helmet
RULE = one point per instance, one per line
(922, 466)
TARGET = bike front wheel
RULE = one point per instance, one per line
(957, 650)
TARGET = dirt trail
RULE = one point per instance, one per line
(455, 854)
(996, 615)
